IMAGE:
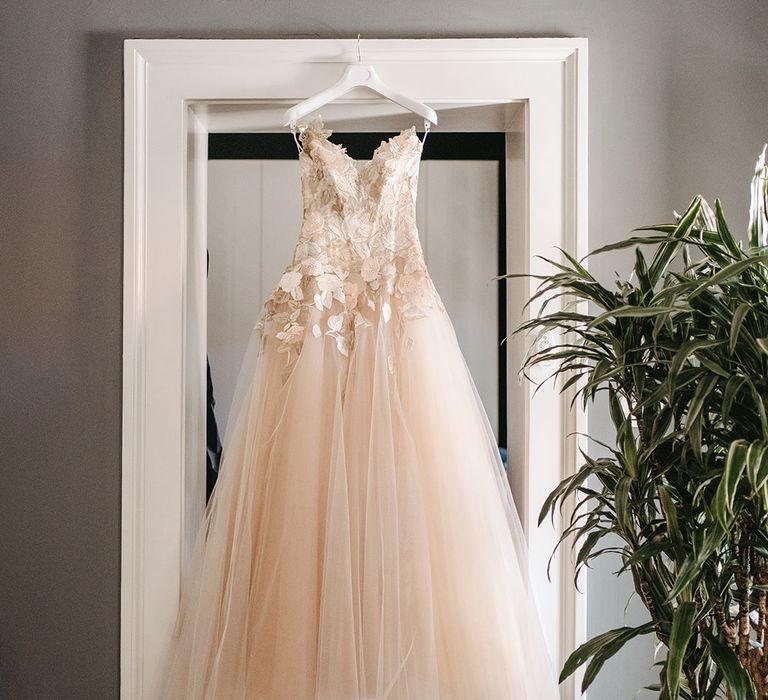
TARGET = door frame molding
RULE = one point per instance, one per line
(176, 92)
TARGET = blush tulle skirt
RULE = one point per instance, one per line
(361, 542)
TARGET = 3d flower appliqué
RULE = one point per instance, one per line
(358, 262)
(291, 282)
(370, 269)
(330, 287)
(291, 333)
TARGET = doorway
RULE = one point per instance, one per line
(530, 92)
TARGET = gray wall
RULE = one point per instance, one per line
(677, 106)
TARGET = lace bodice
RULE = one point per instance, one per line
(358, 260)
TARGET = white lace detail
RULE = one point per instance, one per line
(358, 260)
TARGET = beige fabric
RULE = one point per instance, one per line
(361, 542)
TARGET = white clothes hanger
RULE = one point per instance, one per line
(358, 74)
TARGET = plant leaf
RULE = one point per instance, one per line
(735, 462)
(728, 272)
(711, 537)
(738, 319)
(611, 641)
(632, 312)
(667, 250)
(682, 629)
(734, 673)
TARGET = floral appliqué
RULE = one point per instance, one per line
(358, 261)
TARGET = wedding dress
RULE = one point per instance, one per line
(361, 542)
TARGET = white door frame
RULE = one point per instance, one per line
(176, 91)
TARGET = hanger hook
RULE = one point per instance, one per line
(359, 55)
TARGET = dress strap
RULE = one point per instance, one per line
(295, 137)
(426, 131)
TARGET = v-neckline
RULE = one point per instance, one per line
(322, 133)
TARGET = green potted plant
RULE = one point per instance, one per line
(680, 351)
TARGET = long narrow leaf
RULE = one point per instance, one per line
(682, 629)
(738, 319)
(693, 567)
(633, 312)
(609, 639)
(738, 679)
(667, 250)
(727, 273)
